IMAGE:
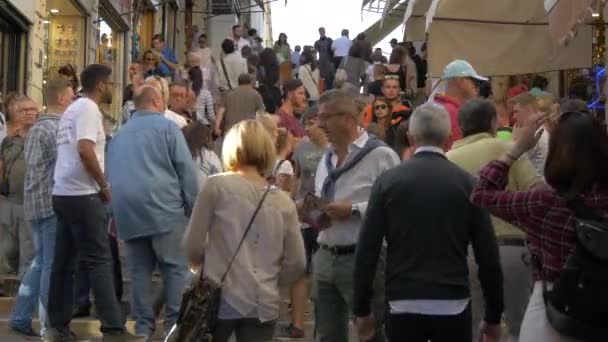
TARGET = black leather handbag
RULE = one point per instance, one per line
(198, 313)
(577, 305)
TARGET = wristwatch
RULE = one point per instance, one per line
(355, 210)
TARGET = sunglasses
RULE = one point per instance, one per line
(383, 106)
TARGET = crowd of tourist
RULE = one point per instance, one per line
(329, 169)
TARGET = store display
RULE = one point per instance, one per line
(66, 37)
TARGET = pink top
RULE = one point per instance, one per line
(290, 123)
(452, 106)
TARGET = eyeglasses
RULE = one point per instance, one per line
(322, 117)
(383, 106)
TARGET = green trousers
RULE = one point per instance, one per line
(332, 293)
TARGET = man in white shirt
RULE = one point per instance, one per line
(80, 193)
(341, 47)
(237, 38)
(230, 67)
(344, 179)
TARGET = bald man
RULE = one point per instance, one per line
(161, 85)
(152, 197)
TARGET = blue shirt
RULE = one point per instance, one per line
(170, 56)
(152, 177)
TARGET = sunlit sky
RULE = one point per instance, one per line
(300, 20)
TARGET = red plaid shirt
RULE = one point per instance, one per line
(541, 213)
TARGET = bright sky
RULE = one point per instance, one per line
(300, 20)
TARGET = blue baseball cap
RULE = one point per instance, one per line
(459, 69)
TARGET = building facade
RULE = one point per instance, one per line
(37, 37)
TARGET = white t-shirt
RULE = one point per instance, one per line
(284, 169)
(81, 121)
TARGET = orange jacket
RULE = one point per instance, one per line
(368, 118)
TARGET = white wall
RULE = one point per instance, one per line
(218, 29)
(256, 20)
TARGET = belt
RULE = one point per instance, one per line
(339, 250)
(518, 242)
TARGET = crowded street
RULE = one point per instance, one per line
(253, 171)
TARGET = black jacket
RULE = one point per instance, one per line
(422, 208)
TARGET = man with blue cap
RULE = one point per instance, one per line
(462, 85)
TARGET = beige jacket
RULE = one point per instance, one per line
(272, 253)
(476, 151)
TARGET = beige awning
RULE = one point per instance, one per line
(497, 37)
(565, 17)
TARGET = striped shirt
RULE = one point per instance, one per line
(40, 153)
(541, 213)
(204, 107)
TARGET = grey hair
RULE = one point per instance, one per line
(477, 116)
(430, 125)
(341, 102)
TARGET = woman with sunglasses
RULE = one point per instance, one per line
(576, 171)
(381, 117)
(152, 64)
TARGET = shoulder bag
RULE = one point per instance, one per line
(341, 75)
(198, 313)
(577, 305)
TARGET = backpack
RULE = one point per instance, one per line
(577, 305)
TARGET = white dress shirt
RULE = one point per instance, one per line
(354, 185)
(239, 44)
(179, 120)
(341, 46)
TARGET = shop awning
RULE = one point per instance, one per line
(497, 37)
(565, 16)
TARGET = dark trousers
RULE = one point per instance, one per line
(82, 237)
(423, 328)
(245, 330)
(83, 286)
(309, 235)
(337, 62)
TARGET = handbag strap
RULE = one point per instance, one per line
(255, 213)
(311, 75)
(225, 72)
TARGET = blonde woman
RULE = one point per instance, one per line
(271, 123)
(160, 83)
(273, 250)
(151, 63)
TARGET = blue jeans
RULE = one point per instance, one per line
(35, 282)
(143, 254)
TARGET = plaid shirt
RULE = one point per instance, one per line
(40, 156)
(541, 213)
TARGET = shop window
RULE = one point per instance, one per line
(111, 52)
(13, 42)
(66, 36)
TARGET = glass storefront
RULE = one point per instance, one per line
(110, 47)
(13, 43)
